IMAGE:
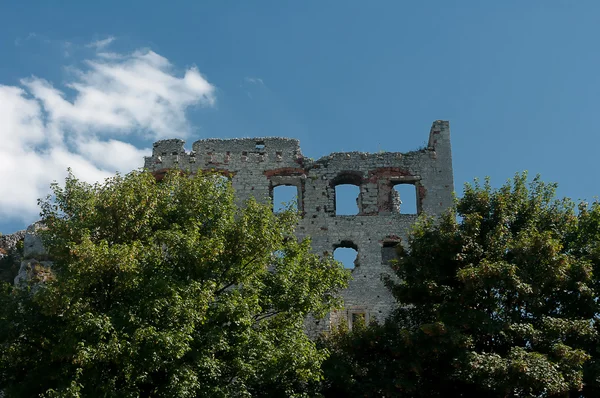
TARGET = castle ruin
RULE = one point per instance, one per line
(257, 166)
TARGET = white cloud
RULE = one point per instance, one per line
(114, 98)
(100, 44)
(254, 80)
(21, 40)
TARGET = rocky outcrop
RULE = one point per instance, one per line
(35, 264)
(32, 245)
(30, 268)
(10, 255)
(29, 261)
(9, 242)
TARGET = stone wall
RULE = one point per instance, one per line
(257, 165)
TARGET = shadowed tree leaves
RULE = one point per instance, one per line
(166, 289)
(503, 302)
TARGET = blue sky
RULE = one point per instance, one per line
(518, 81)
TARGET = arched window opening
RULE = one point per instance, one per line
(346, 253)
(404, 199)
(346, 200)
(347, 193)
(284, 196)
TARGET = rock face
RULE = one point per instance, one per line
(35, 257)
(32, 245)
(10, 255)
(9, 242)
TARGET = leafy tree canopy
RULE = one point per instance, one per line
(165, 289)
(499, 297)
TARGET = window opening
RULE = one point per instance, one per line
(389, 252)
(358, 317)
(222, 180)
(404, 198)
(285, 196)
(347, 254)
(260, 145)
(346, 199)
(276, 257)
(279, 254)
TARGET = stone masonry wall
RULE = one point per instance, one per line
(257, 165)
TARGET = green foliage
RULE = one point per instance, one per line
(10, 263)
(166, 289)
(502, 303)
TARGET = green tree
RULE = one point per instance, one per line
(500, 301)
(9, 263)
(166, 289)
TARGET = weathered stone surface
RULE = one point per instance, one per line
(32, 245)
(31, 268)
(9, 242)
(257, 165)
(34, 259)
(10, 255)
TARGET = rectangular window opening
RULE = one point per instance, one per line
(404, 199)
(346, 200)
(284, 197)
(389, 252)
(357, 317)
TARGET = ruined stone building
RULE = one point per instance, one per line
(257, 166)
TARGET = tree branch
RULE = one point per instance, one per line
(261, 317)
(221, 290)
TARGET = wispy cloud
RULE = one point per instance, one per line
(101, 44)
(254, 80)
(116, 98)
(251, 84)
(20, 40)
